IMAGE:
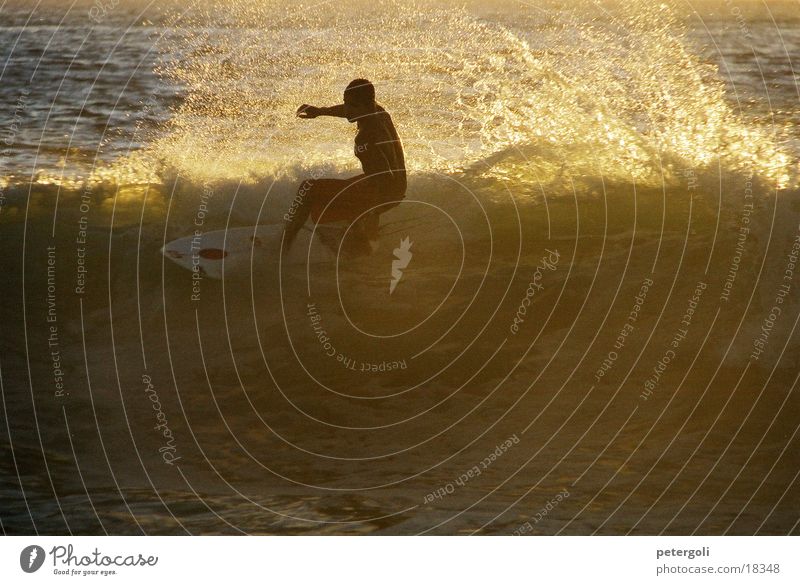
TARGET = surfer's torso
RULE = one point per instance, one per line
(378, 148)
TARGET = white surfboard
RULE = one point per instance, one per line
(237, 251)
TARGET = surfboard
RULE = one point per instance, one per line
(240, 250)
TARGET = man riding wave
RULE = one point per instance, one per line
(382, 184)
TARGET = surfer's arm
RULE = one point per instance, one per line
(306, 111)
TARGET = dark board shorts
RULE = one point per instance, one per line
(335, 200)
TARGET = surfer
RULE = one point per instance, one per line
(382, 184)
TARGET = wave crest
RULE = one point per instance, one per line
(614, 98)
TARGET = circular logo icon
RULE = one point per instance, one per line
(31, 558)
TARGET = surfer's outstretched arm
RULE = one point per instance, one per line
(306, 111)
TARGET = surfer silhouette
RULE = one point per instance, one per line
(381, 185)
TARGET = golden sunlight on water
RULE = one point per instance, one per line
(593, 265)
(626, 100)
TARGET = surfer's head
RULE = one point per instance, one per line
(359, 99)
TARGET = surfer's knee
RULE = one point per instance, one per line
(300, 202)
(303, 193)
(306, 187)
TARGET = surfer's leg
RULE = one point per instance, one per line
(315, 196)
(298, 212)
(372, 223)
(332, 200)
(366, 229)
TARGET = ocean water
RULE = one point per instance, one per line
(592, 329)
